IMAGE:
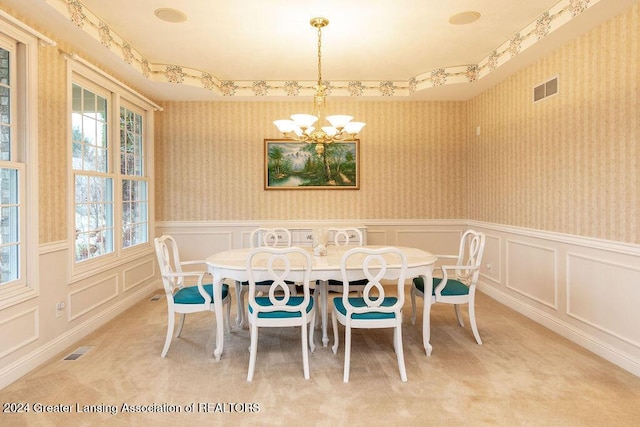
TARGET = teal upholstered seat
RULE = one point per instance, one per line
(191, 294)
(359, 302)
(293, 301)
(453, 286)
(183, 299)
(374, 309)
(459, 277)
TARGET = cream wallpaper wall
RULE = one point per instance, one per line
(567, 164)
(52, 148)
(570, 163)
(210, 163)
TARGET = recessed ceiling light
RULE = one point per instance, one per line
(464, 18)
(170, 15)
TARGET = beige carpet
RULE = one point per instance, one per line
(522, 375)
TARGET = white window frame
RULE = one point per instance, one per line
(84, 74)
(139, 178)
(24, 128)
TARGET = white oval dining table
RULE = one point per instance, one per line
(231, 265)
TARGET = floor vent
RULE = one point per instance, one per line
(545, 90)
(77, 353)
(155, 297)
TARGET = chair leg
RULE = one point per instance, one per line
(167, 342)
(312, 325)
(397, 334)
(413, 305)
(472, 320)
(180, 324)
(305, 351)
(459, 315)
(334, 320)
(240, 303)
(252, 351)
(347, 353)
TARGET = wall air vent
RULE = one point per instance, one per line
(546, 89)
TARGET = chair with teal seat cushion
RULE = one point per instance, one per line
(458, 283)
(374, 309)
(349, 236)
(182, 299)
(270, 237)
(277, 307)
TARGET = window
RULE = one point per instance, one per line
(93, 184)
(109, 168)
(18, 165)
(135, 203)
(11, 176)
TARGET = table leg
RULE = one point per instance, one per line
(324, 296)
(217, 307)
(426, 312)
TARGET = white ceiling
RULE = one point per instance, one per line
(366, 40)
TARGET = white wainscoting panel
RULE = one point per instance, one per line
(377, 237)
(138, 274)
(491, 268)
(582, 288)
(89, 297)
(605, 295)
(443, 242)
(532, 272)
(18, 331)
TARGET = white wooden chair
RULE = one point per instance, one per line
(341, 237)
(183, 299)
(262, 237)
(458, 283)
(374, 309)
(279, 308)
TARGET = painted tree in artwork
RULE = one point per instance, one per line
(276, 157)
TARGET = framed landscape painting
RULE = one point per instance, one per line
(308, 166)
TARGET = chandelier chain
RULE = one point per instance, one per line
(319, 55)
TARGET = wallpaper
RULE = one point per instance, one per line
(52, 148)
(569, 163)
(210, 162)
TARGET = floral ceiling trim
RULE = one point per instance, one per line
(548, 22)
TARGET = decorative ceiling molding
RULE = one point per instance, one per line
(546, 23)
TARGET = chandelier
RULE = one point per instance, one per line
(301, 126)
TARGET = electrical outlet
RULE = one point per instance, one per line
(60, 308)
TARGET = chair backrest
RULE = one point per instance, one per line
(270, 237)
(347, 236)
(276, 265)
(470, 255)
(169, 262)
(377, 264)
